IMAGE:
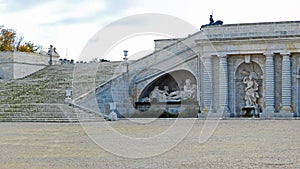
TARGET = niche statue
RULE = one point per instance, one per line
(189, 92)
(251, 90)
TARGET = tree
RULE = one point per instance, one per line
(18, 42)
(7, 39)
(28, 47)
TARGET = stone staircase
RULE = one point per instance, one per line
(86, 78)
(46, 113)
(40, 97)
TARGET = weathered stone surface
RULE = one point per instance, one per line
(253, 47)
(16, 65)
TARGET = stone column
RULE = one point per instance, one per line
(269, 86)
(286, 84)
(223, 85)
(208, 84)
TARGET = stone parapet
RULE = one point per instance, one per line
(253, 30)
(161, 43)
(20, 64)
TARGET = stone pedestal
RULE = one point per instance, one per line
(125, 66)
(249, 111)
(112, 115)
(284, 115)
(68, 99)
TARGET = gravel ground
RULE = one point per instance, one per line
(234, 144)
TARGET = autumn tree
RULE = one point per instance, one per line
(9, 41)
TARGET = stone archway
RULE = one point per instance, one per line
(243, 71)
(173, 80)
(169, 94)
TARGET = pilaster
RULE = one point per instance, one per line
(286, 84)
(269, 86)
(208, 84)
(223, 86)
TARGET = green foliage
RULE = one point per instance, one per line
(28, 47)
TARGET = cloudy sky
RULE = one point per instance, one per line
(69, 24)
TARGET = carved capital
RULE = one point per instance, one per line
(285, 54)
(222, 55)
(269, 54)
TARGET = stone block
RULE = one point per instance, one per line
(284, 115)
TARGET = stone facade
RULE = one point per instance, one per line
(218, 58)
(15, 65)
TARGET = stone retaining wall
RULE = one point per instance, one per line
(15, 65)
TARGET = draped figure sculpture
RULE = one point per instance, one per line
(189, 92)
(251, 90)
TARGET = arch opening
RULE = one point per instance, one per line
(173, 94)
(249, 98)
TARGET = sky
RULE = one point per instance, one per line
(70, 24)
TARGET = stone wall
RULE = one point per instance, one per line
(15, 65)
(295, 59)
(250, 30)
(162, 43)
(116, 90)
(6, 65)
(271, 50)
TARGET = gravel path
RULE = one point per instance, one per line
(234, 144)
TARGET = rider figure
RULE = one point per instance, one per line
(211, 20)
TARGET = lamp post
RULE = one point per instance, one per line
(125, 63)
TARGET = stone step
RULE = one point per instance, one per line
(45, 113)
(58, 120)
(36, 114)
(50, 119)
(39, 97)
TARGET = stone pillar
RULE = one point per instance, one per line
(223, 86)
(208, 85)
(269, 86)
(286, 84)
